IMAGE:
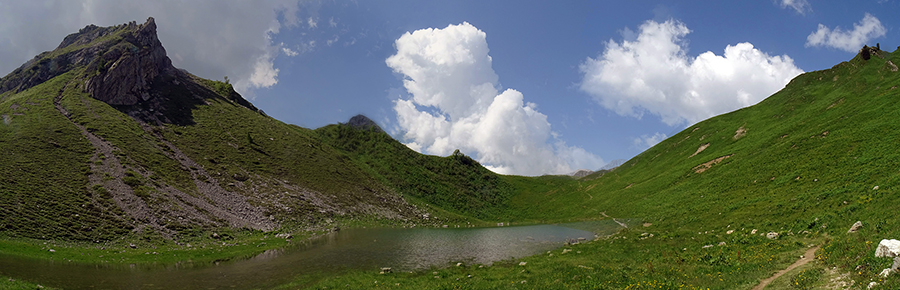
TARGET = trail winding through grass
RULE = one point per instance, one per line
(807, 257)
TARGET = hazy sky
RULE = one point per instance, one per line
(525, 87)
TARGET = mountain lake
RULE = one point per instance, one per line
(351, 249)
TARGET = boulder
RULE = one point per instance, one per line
(772, 235)
(855, 227)
(888, 248)
(385, 270)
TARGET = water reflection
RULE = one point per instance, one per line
(400, 249)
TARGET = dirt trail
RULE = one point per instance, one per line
(614, 219)
(807, 257)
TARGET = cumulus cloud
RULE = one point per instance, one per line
(455, 103)
(209, 38)
(850, 41)
(801, 6)
(654, 74)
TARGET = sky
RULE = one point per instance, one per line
(524, 87)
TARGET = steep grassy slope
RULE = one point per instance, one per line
(44, 165)
(103, 138)
(808, 156)
(456, 183)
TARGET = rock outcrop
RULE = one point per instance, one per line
(855, 227)
(890, 249)
(364, 123)
(126, 68)
(122, 61)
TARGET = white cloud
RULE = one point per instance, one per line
(850, 41)
(801, 6)
(209, 38)
(654, 74)
(646, 141)
(264, 72)
(312, 23)
(331, 22)
(455, 104)
(332, 40)
(289, 52)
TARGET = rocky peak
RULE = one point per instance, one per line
(121, 62)
(364, 123)
(126, 68)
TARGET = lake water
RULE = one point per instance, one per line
(367, 249)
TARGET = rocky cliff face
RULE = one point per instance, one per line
(127, 65)
(122, 62)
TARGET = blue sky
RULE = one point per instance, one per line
(525, 87)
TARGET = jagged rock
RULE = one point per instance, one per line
(385, 270)
(126, 69)
(866, 52)
(855, 227)
(772, 235)
(123, 66)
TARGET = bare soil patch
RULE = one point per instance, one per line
(740, 133)
(700, 149)
(709, 164)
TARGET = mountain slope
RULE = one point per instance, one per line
(103, 137)
(456, 183)
(826, 138)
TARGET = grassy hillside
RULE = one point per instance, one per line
(161, 155)
(455, 183)
(805, 163)
(809, 156)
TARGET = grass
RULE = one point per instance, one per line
(457, 183)
(43, 192)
